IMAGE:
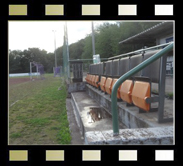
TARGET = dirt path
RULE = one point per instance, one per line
(18, 80)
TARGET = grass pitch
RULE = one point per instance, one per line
(37, 112)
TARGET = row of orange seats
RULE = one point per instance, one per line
(129, 91)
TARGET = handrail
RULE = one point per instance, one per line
(126, 76)
(144, 49)
(71, 60)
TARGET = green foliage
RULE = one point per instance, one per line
(15, 61)
(76, 49)
(107, 40)
(19, 61)
(64, 137)
(87, 53)
(170, 95)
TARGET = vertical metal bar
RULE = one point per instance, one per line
(93, 39)
(63, 54)
(129, 63)
(37, 70)
(55, 48)
(162, 88)
(111, 68)
(30, 70)
(67, 48)
(142, 61)
(118, 67)
(102, 72)
(82, 71)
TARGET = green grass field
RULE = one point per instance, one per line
(37, 112)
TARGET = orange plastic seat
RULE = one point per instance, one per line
(141, 91)
(108, 85)
(126, 90)
(87, 77)
(102, 83)
(118, 92)
(96, 81)
(92, 81)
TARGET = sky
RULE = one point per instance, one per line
(39, 34)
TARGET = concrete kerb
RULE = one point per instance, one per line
(142, 136)
(77, 115)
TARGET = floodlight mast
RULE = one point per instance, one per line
(55, 48)
(66, 46)
(93, 39)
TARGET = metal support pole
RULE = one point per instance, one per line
(30, 70)
(93, 39)
(126, 76)
(162, 91)
(67, 51)
(162, 88)
(142, 61)
(112, 70)
(37, 70)
(55, 48)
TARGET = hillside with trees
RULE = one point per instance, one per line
(107, 38)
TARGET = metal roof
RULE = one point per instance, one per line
(150, 35)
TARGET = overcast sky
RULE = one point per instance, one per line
(28, 34)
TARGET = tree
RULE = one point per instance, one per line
(19, 61)
(14, 61)
(50, 62)
(87, 53)
(76, 49)
(107, 38)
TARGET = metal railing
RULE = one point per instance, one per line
(137, 51)
(126, 76)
